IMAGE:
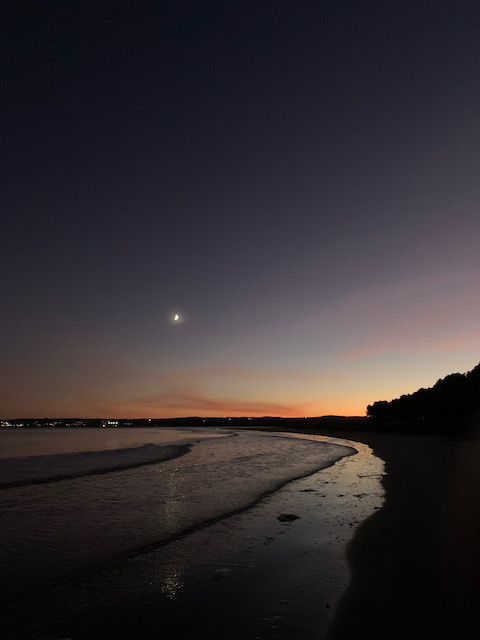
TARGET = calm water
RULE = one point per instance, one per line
(54, 531)
(37, 442)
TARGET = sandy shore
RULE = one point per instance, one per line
(251, 574)
(415, 564)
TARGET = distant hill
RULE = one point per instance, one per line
(456, 395)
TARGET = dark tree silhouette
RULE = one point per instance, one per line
(458, 394)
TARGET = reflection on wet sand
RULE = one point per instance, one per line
(171, 583)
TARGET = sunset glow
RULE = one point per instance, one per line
(269, 213)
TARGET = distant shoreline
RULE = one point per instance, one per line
(456, 427)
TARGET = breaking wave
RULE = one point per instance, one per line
(20, 472)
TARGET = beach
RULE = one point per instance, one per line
(376, 561)
(415, 564)
(80, 551)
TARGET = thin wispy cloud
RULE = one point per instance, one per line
(162, 404)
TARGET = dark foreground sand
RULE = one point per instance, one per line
(415, 564)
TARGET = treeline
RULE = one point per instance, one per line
(456, 395)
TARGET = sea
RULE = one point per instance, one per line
(96, 519)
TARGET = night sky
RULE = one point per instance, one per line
(298, 180)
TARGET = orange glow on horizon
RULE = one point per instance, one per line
(214, 409)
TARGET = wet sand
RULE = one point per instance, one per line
(415, 564)
(412, 568)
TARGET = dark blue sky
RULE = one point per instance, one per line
(298, 180)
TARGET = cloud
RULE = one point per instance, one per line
(195, 391)
(183, 404)
(427, 336)
(192, 375)
(420, 315)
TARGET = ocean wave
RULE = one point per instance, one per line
(65, 529)
(20, 472)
